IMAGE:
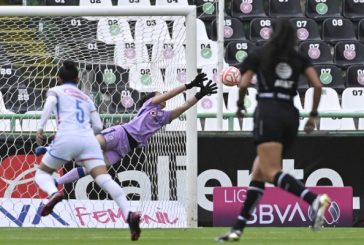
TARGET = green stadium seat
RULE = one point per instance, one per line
(319, 10)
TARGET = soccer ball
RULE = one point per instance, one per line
(230, 76)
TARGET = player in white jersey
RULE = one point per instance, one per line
(77, 121)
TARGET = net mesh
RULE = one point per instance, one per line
(120, 59)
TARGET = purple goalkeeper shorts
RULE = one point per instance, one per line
(117, 143)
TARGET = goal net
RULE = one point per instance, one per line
(121, 57)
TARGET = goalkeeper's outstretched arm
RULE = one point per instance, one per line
(197, 82)
(208, 89)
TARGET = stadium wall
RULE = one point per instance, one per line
(224, 159)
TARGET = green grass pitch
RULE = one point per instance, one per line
(199, 236)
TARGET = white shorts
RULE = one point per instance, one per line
(85, 150)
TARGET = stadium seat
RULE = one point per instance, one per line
(10, 75)
(289, 8)
(237, 51)
(114, 30)
(349, 53)
(319, 11)
(91, 51)
(319, 52)
(206, 9)
(166, 53)
(145, 78)
(233, 30)
(171, 3)
(129, 54)
(206, 53)
(355, 76)
(352, 100)
(79, 29)
(337, 29)
(260, 29)
(307, 29)
(174, 76)
(123, 100)
(134, 3)
(95, 3)
(208, 104)
(353, 9)
(331, 76)
(62, 2)
(361, 31)
(108, 76)
(151, 30)
(33, 124)
(247, 10)
(21, 99)
(179, 30)
(329, 102)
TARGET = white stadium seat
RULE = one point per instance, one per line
(171, 3)
(114, 30)
(352, 100)
(145, 78)
(151, 30)
(166, 53)
(206, 53)
(129, 54)
(175, 75)
(133, 2)
(95, 3)
(329, 102)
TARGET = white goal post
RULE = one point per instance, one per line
(189, 12)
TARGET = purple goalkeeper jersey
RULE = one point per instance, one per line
(149, 120)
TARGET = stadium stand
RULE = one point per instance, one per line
(319, 52)
(355, 76)
(114, 30)
(237, 51)
(134, 3)
(206, 10)
(307, 29)
(349, 53)
(337, 29)
(233, 30)
(247, 10)
(331, 76)
(260, 29)
(329, 102)
(62, 2)
(353, 9)
(352, 100)
(278, 8)
(361, 31)
(321, 10)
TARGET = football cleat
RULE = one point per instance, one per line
(40, 150)
(319, 207)
(231, 236)
(134, 221)
(53, 200)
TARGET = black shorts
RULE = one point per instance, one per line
(275, 121)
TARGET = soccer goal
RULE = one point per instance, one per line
(122, 53)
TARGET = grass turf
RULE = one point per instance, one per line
(199, 236)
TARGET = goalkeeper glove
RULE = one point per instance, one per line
(206, 90)
(197, 82)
